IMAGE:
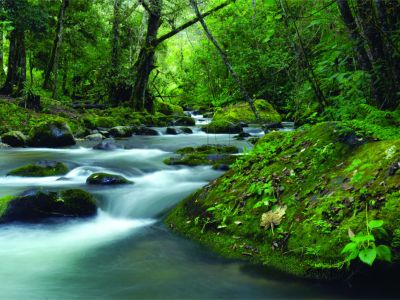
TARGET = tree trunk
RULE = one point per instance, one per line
(115, 52)
(145, 63)
(16, 71)
(362, 56)
(56, 45)
(2, 73)
(141, 97)
(225, 59)
(385, 97)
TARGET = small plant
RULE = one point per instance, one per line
(364, 246)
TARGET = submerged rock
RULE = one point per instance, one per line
(106, 145)
(107, 179)
(37, 205)
(52, 134)
(172, 131)
(41, 169)
(14, 139)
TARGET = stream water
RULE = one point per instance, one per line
(125, 252)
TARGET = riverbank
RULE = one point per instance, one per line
(297, 199)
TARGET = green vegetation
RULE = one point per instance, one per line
(41, 169)
(291, 202)
(219, 156)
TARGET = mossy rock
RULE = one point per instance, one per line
(36, 206)
(222, 126)
(107, 179)
(322, 187)
(185, 121)
(168, 108)
(121, 131)
(41, 169)
(215, 155)
(241, 112)
(14, 139)
(51, 134)
(94, 121)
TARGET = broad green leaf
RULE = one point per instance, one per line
(367, 256)
(349, 247)
(361, 238)
(375, 224)
(383, 252)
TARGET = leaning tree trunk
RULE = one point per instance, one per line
(225, 59)
(16, 70)
(56, 45)
(145, 62)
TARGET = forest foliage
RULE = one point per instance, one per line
(312, 60)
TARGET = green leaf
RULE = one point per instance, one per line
(383, 252)
(361, 238)
(375, 224)
(368, 255)
(349, 247)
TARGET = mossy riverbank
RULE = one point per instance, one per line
(292, 202)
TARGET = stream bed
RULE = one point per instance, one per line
(126, 252)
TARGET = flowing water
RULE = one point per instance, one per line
(125, 252)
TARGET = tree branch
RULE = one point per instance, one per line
(130, 11)
(189, 23)
(145, 6)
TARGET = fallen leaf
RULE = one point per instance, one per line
(273, 217)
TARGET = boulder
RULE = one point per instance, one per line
(41, 169)
(222, 127)
(187, 130)
(121, 131)
(107, 179)
(106, 145)
(185, 121)
(51, 134)
(37, 205)
(273, 125)
(172, 131)
(95, 137)
(14, 139)
(4, 146)
(143, 130)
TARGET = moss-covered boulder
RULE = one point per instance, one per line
(241, 112)
(37, 205)
(14, 139)
(121, 131)
(222, 126)
(168, 108)
(185, 121)
(95, 137)
(51, 134)
(107, 179)
(297, 199)
(94, 121)
(215, 155)
(143, 130)
(41, 169)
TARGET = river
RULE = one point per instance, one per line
(126, 252)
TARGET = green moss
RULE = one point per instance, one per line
(168, 108)
(222, 126)
(4, 203)
(241, 112)
(204, 155)
(77, 201)
(40, 170)
(325, 185)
